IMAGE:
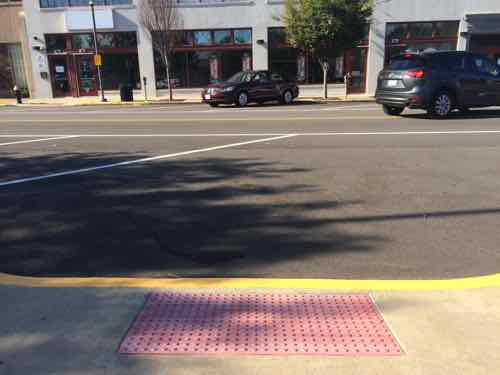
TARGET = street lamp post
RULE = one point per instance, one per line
(96, 51)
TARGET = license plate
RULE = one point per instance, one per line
(392, 83)
(207, 97)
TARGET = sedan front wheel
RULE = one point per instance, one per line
(242, 99)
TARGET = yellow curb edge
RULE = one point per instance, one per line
(246, 283)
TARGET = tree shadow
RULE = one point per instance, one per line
(193, 217)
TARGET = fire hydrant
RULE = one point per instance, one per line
(18, 95)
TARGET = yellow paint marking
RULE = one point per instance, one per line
(241, 283)
(183, 119)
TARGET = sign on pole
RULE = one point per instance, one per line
(97, 60)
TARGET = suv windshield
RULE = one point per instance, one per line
(405, 62)
(241, 77)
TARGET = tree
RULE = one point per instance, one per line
(326, 28)
(160, 18)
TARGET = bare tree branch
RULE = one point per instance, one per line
(161, 19)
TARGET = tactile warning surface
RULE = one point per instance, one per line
(254, 323)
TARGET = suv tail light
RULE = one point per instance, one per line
(418, 73)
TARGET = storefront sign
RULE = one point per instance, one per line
(42, 63)
(82, 19)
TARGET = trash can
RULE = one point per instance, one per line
(126, 93)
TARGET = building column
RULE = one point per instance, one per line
(260, 51)
(376, 54)
(146, 61)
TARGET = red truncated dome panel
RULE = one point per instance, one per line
(260, 324)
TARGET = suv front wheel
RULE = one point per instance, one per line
(392, 111)
(441, 106)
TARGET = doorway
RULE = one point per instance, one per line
(356, 64)
(86, 73)
(60, 76)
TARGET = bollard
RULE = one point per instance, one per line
(18, 95)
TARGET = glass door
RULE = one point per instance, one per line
(59, 75)
(86, 74)
(356, 64)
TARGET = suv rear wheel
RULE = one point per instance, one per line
(441, 105)
(392, 111)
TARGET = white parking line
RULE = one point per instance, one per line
(38, 140)
(136, 161)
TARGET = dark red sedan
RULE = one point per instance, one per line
(251, 86)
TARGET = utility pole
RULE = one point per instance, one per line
(96, 52)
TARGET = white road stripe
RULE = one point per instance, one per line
(38, 140)
(439, 132)
(143, 160)
(217, 111)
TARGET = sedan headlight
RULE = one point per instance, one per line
(228, 89)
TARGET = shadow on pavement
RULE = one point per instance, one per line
(456, 115)
(202, 217)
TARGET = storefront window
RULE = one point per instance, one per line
(120, 69)
(277, 36)
(82, 41)
(232, 62)
(202, 38)
(223, 37)
(199, 68)
(446, 29)
(243, 36)
(284, 62)
(55, 43)
(395, 32)
(80, 3)
(183, 38)
(105, 40)
(420, 30)
(126, 40)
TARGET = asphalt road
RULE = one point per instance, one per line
(316, 191)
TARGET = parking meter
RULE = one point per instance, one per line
(145, 81)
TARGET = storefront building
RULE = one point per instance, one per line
(13, 50)
(221, 37)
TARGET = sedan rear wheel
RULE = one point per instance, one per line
(287, 97)
(242, 99)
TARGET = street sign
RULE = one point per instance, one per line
(97, 60)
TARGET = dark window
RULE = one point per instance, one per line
(420, 30)
(276, 77)
(449, 62)
(406, 62)
(485, 66)
(243, 36)
(126, 40)
(183, 38)
(79, 3)
(199, 68)
(202, 38)
(55, 43)
(395, 32)
(118, 69)
(53, 3)
(261, 77)
(277, 36)
(446, 29)
(223, 37)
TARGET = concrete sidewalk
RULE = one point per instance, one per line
(184, 96)
(77, 331)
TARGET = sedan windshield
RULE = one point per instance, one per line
(241, 77)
